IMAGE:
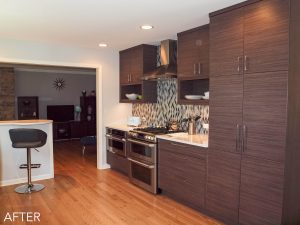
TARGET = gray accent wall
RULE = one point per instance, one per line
(28, 83)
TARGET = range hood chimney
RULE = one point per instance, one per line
(168, 59)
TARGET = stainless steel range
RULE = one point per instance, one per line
(142, 154)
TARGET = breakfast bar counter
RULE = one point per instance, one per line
(11, 158)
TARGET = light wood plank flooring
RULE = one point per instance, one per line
(81, 194)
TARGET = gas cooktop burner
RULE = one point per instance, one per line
(155, 130)
(149, 133)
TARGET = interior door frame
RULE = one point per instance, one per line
(101, 160)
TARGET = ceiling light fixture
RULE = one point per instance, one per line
(147, 27)
(102, 45)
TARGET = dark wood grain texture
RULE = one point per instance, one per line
(182, 172)
(291, 206)
(266, 34)
(265, 115)
(223, 184)
(270, 180)
(134, 63)
(261, 194)
(150, 58)
(226, 43)
(233, 7)
(125, 62)
(226, 102)
(193, 52)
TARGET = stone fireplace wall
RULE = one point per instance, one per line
(7, 94)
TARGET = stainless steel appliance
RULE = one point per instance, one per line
(142, 155)
(168, 62)
(116, 141)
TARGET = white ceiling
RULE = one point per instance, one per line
(85, 23)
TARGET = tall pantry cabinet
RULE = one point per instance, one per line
(254, 152)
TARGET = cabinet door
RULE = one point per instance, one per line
(261, 193)
(125, 63)
(266, 27)
(226, 43)
(193, 51)
(265, 115)
(223, 184)
(136, 65)
(225, 109)
(182, 175)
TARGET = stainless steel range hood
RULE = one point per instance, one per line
(168, 59)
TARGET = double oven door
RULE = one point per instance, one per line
(143, 164)
(116, 142)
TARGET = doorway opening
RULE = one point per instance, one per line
(65, 94)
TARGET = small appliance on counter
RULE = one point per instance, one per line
(134, 121)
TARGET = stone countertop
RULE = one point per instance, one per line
(24, 122)
(200, 140)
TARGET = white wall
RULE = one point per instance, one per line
(11, 158)
(105, 60)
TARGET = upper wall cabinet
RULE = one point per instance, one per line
(266, 35)
(134, 62)
(250, 39)
(226, 43)
(193, 53)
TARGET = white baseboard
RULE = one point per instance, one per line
(104, 167)
(24, 180)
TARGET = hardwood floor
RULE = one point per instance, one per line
(81, 194)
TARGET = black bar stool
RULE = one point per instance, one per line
(28, 138)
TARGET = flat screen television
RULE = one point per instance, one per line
(60, 113)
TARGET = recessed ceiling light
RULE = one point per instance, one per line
(146, 27)
(102, 45)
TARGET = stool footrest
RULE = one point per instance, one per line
(33, 166)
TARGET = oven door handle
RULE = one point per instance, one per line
(114, 138)
(141, 164)
(141, 143)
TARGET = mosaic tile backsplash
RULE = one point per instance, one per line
(167, 109)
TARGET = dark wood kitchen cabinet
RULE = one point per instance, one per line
(193, 52)
(226, 43)
(266, 35)
(253, 170)
(250, 39)
(182, 172)
(136, 61)
(226, 112)
(246, 146)
(193, 64)
(223, 184)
